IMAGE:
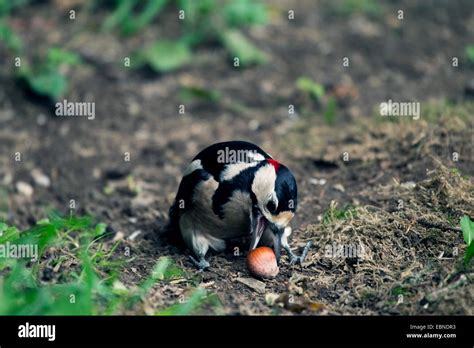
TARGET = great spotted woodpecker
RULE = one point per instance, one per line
(235, 190)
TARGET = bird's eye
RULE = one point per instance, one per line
(271, 207)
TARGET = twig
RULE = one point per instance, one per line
(438, 225)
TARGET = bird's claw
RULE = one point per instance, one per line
(295, 259)
(202, 264)
(300, 259)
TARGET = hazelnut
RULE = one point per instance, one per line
(262, 262)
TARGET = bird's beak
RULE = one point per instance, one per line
(277, 234)
(258, 225)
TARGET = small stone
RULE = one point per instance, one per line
(24, 188)
(409, 184)
(254, 125)
(271, 298)
(41, 119)
(40, 178)
(118, 236)
(134, 235)
(315, 181)
(7, 179)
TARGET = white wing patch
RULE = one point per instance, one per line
(263, 185)
(234, 169)
(255, 156)
(194, 165)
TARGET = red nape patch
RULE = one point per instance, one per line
(274, 163)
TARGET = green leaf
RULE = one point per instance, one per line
(150, 11)
(470, 53)
(346, 8)
(239, 47)
(8, 234)
(45, 78)
(330, 112)
(100, 229)
(57, 57)
(469, 253)
(161, 268)
(76, 223)
(41, 235)
(50, 84)
(245, 12)
(197, 11)
(11, 40)
(165, 56)
(196, 92)
(313, 89)
(467, 227)
(122, 11)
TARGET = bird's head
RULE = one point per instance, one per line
(274, 198)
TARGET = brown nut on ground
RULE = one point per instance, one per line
(262, 262)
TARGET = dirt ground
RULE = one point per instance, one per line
(398, 185)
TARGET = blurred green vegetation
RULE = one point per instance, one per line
(333, 213)
(313, 89)
(7, 35)
(202, 22)
(467, 227)
(45, 77)
(317, 93)
(470, 54)
(345, 8)
(128, 19)
(85, 273)
(187, 93)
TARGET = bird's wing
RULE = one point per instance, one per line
(193, 175)
(225, 160)
(231, 164)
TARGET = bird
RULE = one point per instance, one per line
(234, 190)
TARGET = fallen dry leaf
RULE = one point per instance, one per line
(253, 284)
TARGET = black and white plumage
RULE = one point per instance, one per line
(234, 190)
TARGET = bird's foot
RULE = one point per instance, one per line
(300, 259)
(202, 264)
